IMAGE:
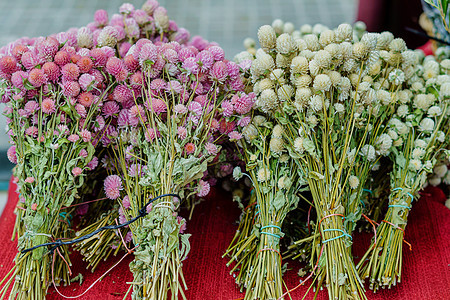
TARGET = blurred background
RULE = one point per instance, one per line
(227, 22)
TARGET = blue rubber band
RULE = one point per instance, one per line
(271, 226)
(369, 191)
(399, 205)
(65, 216)
(272, 234)
(257, 213)
(397, 189)
(337, 237)
(401, 189)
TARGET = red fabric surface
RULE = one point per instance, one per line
(427, 48)
(426, 273)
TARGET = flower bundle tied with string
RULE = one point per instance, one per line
(52, 107)
(166, 136)
(418, 134)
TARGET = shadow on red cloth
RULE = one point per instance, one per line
(426, 272)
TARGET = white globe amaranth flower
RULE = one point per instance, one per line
(435, 181)
(353, 181)
(242, 56)
(265, 84)
(368, 151)
(85, 38)
(397, 77)
(323, 59)
(249, 43)
(306, 29)
(301, 81)
(282, 61)
(392, 134)
(288, 27)
(415, 165)
(346, 50)
(410, 57)
(426, 125)
(298, 145)
(276, 145)
(265, 62)
(418, 153)
(263, 174)
(445, 90)
(267, 37)
(384, 96)
(314, 68)
(441, 79)
(299, 65)
(277, 131)
(319, 28)
(250, 132)
(420, 143)
(302, 96)
(267, 101)
(404, 96)
(434, 111)
(237, 173)
(285, 44)
(284, 182)
(277, 76)
(312, 120)
(397, 45)
(384, 143)
(349, 65)
(308, 54)
(402, 110)
(423, 102)
(398, 142)
(344, 32)
(360, 51)
(440, 170)
(278, 26)
(440, 136)
(327, 37)
(447, 181)
(312, 42)
(335, 78)
(335, 52)
(339, 107)
(384, 39)
(301, 44)
(370, 39)
(316, 103)
(322, 82)
(285, 92)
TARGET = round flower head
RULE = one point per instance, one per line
(267, 37)
(37, 77)
(85, 64)
(112, 186)
(108, 37)
(8, 64)
(48, 106)
(85, 38)
(122, 94)
(189, 148)
(353, 181)
(11, 153)
(203, 188)
(71, 89)
(285, 44)
(426, 125)
(263, 174)
(161, 18)
(70, 72)
(101, 17)
(219, 71)
(17, 79)
(211, 149)
(344, 32)
(51, 70)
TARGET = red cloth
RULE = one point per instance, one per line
(427, 48)
(426, 272)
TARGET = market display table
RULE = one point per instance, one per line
(426, 272)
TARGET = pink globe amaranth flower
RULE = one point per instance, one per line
(83, 153)
(185, 53)
(148, 54)
(205, 60)
(12, 155)
(136, 80)
(29, 60)
(173, 26)
(62, 58)
(150, 134)
(32, 131)
(228, 108)
(70, 72)
(112, 186)
(81, 110)
(123, 49)
(122, 93)
(131, 64)
(37, 77)
(211, 149)
(233, 70)
(196, 108)
(116, 20)
(92, 164)
(193, 49)
(114, 66)
(122, 76)
(76, 171)
(217, 53)
(243, 104)
(246, 64)
(85, 135)
(202, 99)
(237, 85)
(140, 16)
(85, 64)
(180, 109)
(86, 99)
(86, 81)
(8, 64)
(136, 114)
(48, 106)
(99, 78)
(122, 119)
(51, 70)
(99, 123)
(170, 55)
(158, 105)
(132, 29)
(190, 65)
(234, 136)
(31, 107)
(182, 36)
(243, 122)
(203, 188)
(128, 237)
(29, 180)
(219, 71)
(174, 86)
(126, 8)
(99, 58)
(199, 42)
(158, 84)
(150, 6)
(181, 132)
(109, 51)
(183, 226)
(18, 51)
(17, 79)
(48, 48)
(136, 170)
(110, 108)
(101, 17)
(71, 89)
(189, 148)
(73, 138)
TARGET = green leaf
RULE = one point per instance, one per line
(279, 201)
(445, 7)
(185, 246)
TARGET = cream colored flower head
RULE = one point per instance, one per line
(353, 181)
(263, 174)
(267, 37)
